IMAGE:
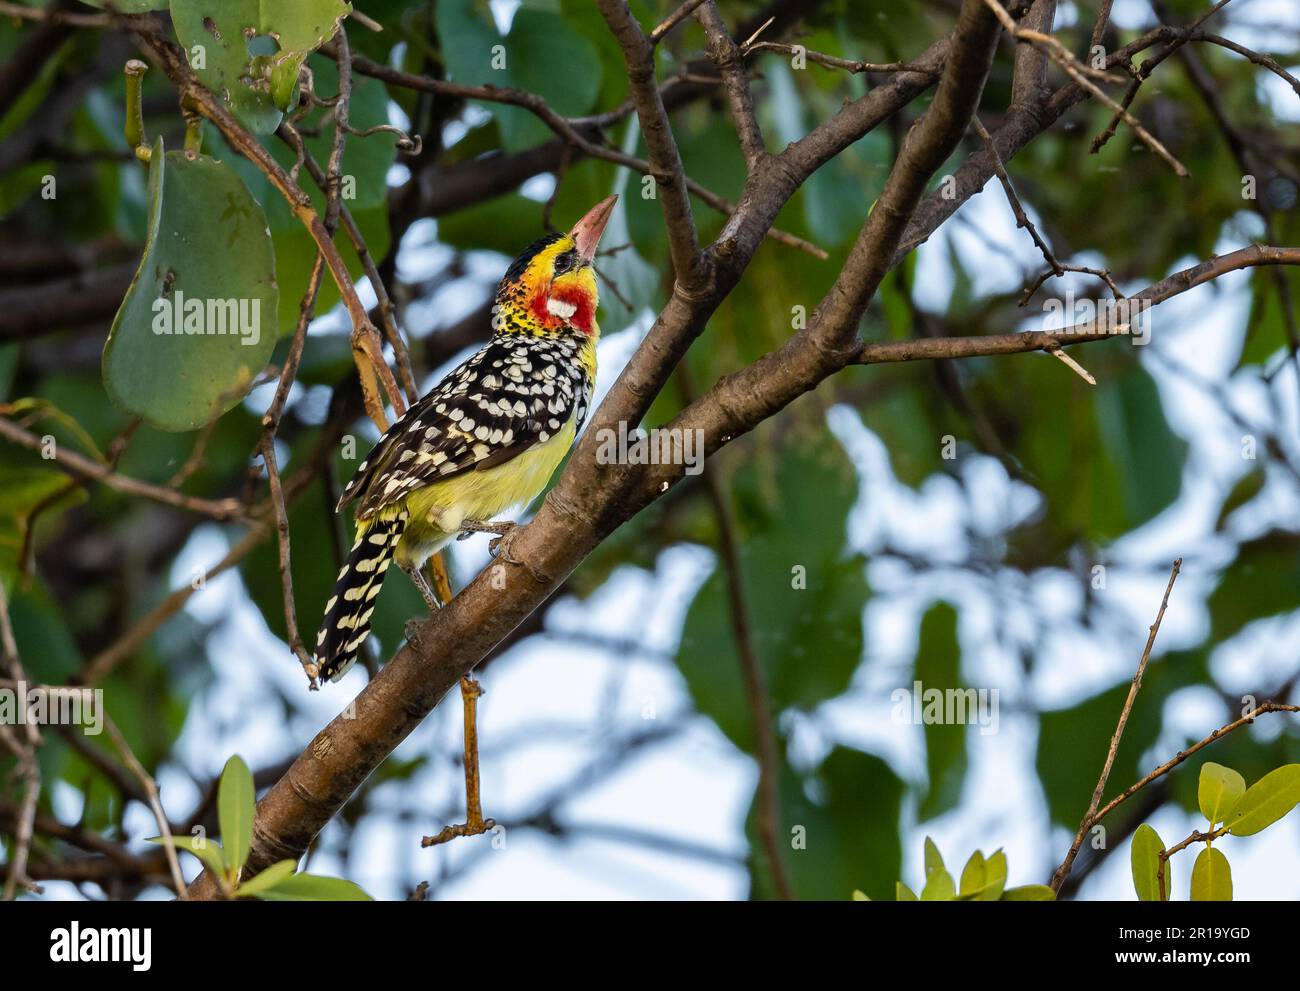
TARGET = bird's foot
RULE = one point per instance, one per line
(499, 546)
(412, 630)
(499, 527)
(421, 582)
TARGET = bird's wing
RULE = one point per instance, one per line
(501, 401)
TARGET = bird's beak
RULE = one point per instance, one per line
(587, 231)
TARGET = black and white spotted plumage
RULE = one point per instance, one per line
(347, 614)
(512, 394)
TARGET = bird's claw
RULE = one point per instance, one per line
(500, 547)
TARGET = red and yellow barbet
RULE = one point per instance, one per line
(487, 438)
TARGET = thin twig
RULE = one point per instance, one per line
(1022, 218)
(55, 16)
(661, 147)
(724, 53)
(384, 303)
(1169, 765)
(673, 19)
(224, 509)
(286, 573)
(769, 766)
(25, 753)
(155, 804)
(1089, 817)
(854, 66)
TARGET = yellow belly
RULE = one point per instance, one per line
(437, 511)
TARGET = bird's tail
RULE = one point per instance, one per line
(347, 614)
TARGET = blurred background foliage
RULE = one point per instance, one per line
(919, 566)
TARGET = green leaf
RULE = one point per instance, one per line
(1218, 791)
(282, 32)
(902, 893)
(933, 858)
(973, 874)
(939, 887)
(22, 492)
(268, 879)
(1029, 893)
(1266, 801)
(208, 851)
(1261, 582)
(804, 596)
(314, 888)
(176, 354)
(838, 826)
(236, 799)
(542, 54)
(1211, 877)
(1247, 487)
(1112, 463)
(860, 896)
(983, 879)
(938, 882)
(1144, 861)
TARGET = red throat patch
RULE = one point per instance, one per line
(583, 311)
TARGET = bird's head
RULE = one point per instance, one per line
(552, 284)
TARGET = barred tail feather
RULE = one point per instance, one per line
(347, 614)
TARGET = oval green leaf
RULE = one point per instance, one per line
(939, 887)
(1144, 861)
(1219, 790)
(995, 880)
(902, 893)
(314, 888)
(1211, 877)
(933, 859)
(268, 879)
(208, 851)
(1029, 893)
(199, 320)
(1266, 801)
(236, 798)
(973, 874)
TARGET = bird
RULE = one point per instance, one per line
(485, 439)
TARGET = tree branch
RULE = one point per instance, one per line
(665, 162)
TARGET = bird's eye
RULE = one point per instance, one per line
(566, 262)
